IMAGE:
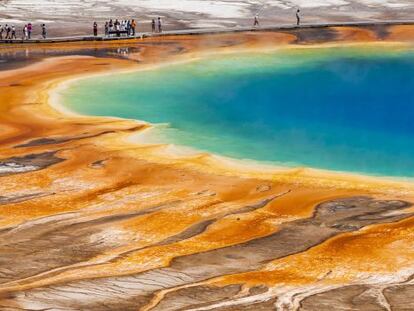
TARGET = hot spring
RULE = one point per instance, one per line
(343, 109)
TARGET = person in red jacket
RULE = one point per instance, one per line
(29, 30)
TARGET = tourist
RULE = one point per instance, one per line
(298, 17)
(44, 31)
(13, 32)
(153, 25)
(128, 27)
(25, 33)
(8, 29)
(159, 25)
(256, 21)
(95, 29)
(111, 25)
(133, 26)
(29, 30)
(1, 32)
(106, 29)
(117, 26)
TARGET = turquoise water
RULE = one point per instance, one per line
(347, 109)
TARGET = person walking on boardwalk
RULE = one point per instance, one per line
(117, 25)
(95, 29)
(133, 27)
(256, 21)
(25, 33)
(153, 25)
(1, 32)
(13, 32)
(159, 25)
(128, 27)
(106, 29)
(8, 29)
(44, 31)
(298, 17)
(29, 30)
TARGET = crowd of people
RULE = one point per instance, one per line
(125, 27)
(111, 28)
(9, 32)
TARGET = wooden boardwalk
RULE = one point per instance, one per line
(201, 31)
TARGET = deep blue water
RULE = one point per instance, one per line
(346, 110)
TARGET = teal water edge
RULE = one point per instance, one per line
(343, 109)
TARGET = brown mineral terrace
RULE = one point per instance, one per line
(91, 219)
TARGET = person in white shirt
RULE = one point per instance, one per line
(13, 32)
(25, 33)
(44, 32)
